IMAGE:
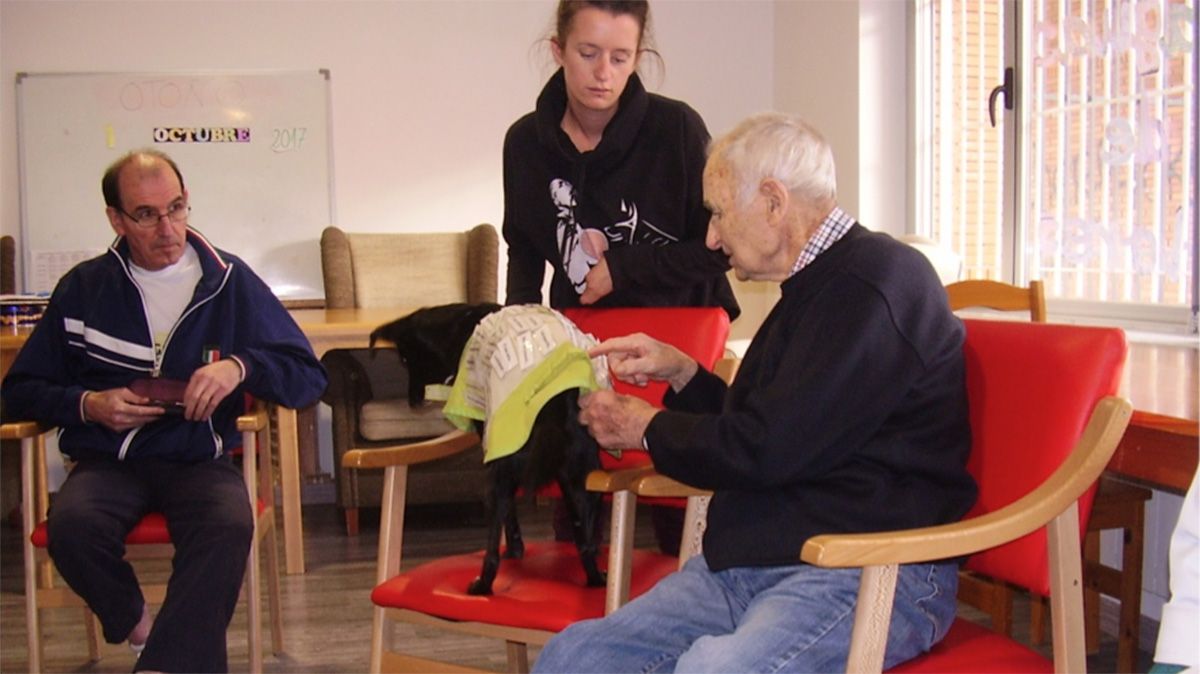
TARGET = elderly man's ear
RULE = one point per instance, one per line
(777, 197)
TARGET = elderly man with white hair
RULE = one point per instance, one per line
(848, 414)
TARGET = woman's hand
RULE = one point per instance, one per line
(599, 283)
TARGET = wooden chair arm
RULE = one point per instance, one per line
(657, 484)
(1083, 467)
(726, 368)
(254, 420)
(610, 481)
(442, 446)
(18, 430)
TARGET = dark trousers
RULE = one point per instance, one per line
(208, 515)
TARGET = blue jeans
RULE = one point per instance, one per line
(774, 619)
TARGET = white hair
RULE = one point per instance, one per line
(779, 146)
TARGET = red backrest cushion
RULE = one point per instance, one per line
(1031, 389)
(700, 332)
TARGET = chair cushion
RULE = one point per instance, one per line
(970, 647)
(393, 419)
(543, 591)
(152, 529)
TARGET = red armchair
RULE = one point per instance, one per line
(539, 595)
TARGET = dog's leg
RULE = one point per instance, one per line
(582, 457)
(514, 543)
(501, 502)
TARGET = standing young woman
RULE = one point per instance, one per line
(602, 180)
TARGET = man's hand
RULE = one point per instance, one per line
(599, 283)
(208, 387)
(638, 358)
(119, 409)
(616, 421)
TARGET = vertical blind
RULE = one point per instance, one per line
(1105, 179)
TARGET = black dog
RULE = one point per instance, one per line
(430, 342)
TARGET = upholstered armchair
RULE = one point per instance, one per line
(368, 390)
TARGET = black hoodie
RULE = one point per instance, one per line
(640, 189)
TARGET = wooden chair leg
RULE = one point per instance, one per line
(351, 515)
(989, 596)
(1091, 596)
(1039, 619)
(273, 593)
(93, 634)
(1119, 506)
(518, 657)
(253, 611)
(1131, 595)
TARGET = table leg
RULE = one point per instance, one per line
(289, 475)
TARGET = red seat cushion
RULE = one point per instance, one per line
(152, 529)
(543, 591)
(969, 647)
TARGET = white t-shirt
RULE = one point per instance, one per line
(167, 292)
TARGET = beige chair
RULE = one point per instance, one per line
(148, 540)
(368, 391)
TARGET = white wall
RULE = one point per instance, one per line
(422, 91)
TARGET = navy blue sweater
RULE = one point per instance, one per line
(95, 336)
(848, 413)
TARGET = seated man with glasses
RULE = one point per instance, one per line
(142, 359)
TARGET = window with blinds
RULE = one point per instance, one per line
(1090, 183)
(1109, 141)
(965, 154)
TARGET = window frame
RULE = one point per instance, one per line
(1014, 267)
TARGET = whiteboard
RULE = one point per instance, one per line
(254, 149)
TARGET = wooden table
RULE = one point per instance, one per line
(11, 340)
(1160, 448)
(328, 329)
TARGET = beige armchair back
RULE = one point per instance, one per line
(409, 270)
(367, 391)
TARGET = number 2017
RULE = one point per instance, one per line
(287, 140)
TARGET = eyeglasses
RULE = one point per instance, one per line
(147, 217)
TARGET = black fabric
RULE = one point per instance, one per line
(848, 413)
(641, 187)
(208, 515)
